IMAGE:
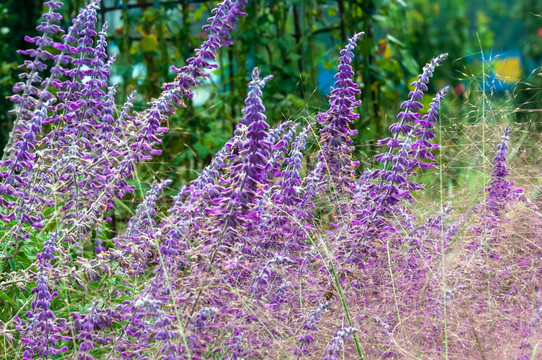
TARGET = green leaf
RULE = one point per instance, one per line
(30, 251)
(198, 14)
(133, 50)
(296, 101)
(201, 150)
(379, 18)
(5, 296)
(408, 61)
(393, 39)
(124, 206)
(149, 42)
(12, 264)
(150, 15)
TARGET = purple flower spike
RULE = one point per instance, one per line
(43, 331)
(403, 156)
(336, 345)
(290, 184)
(334, 157)
(86, 333)
(248, 172)
(501, 192)
(257, 148)
(29, 100)
(139, 238)
(310, 325)
(421, 148)
(412, 106)
(225, 15)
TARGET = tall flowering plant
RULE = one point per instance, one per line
(334, 159)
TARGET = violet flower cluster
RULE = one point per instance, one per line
(392, 185)
(248, 169)
(334, 158)
(500, 196)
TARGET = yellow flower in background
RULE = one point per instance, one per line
(384, 49)
(508, 69)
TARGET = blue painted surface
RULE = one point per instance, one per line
(491, 59)
(325, 78)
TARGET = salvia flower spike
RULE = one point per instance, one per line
(500, 193)
(334, 157)
(392, 184)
